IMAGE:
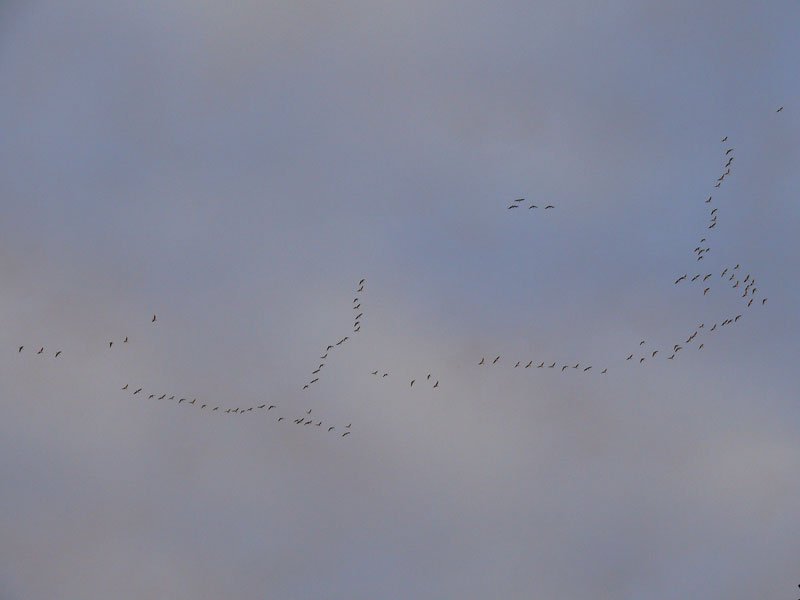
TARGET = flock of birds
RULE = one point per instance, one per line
(518, 202)
(746, 290)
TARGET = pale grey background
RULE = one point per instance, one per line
(236, 169)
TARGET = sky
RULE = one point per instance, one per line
(237, 168)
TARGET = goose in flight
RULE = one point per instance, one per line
(40, 350)
(549, 206)
(154, 319)
(496, 359)
(58, 353)
(20, 349)
(779, 110)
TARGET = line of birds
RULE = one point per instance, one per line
(518, 202)
(220, 409)
(543, 365)
(315, 374)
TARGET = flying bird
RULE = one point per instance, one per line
(630, 357)
(58, 353)
(126, 387)
(154, 319)
(40, 350)
(779, 110)
(725, 139)
(137, 391)
(20, 349)
(345, 433)
(549, 206)
(412, 382)
(496, 359)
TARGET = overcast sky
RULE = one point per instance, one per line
(237, 170)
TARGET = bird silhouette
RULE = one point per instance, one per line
(779, 110)
(20, 349)
(125, 341)
(725, 139)
(482, 360)
(137, 391)
(496, 359)
(58, 353)
(331, 428)
(374, 372)
(630, 357)
(154, 319)
(345, 433)
(436, 385)
(126, 387)
(549, 206)
(412, 382)
(40, 350)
